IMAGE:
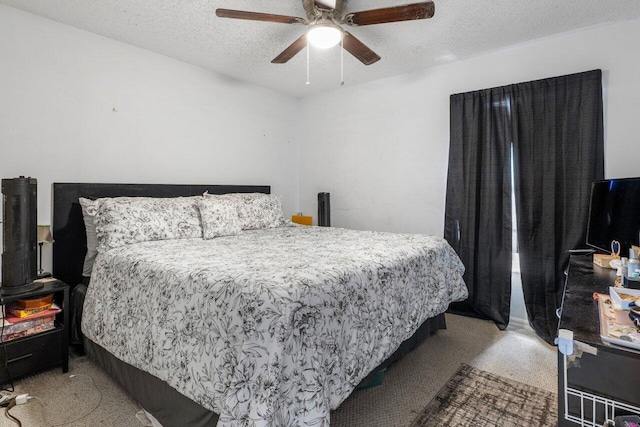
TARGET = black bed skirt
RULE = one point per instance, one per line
(171, 408)
(162, 401)
(429, 327)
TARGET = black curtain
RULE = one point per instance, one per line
(478, 206)
(555, 128)
(558, 151)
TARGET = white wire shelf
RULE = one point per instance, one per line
(595, 410)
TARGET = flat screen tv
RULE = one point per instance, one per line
(614, 214)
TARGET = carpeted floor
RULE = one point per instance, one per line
(90, 397)
(410, 384)
(93, 399)
(477, 398)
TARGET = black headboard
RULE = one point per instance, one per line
(70, 245)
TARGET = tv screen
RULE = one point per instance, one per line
(614, 214)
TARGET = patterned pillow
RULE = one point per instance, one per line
(219, 217)
(256, 210)
(89, 208)
(122, 221)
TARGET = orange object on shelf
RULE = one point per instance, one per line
(28, 303)
(302, 219)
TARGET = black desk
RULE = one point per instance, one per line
(600, 378)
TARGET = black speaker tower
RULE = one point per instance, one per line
(19, 235)
(324, 210)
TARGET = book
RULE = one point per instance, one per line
(23, 325)
(12, 318)
(26, 312)
(31, 331)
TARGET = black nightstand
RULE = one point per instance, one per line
(27, 355)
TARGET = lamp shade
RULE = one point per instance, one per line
(324, 36)
(44, 234)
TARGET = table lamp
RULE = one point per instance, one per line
(44, 236)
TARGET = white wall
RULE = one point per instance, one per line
(173, 122)
(381, 149)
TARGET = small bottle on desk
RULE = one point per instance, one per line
(633, 270)
(633, 265)
(624, 269)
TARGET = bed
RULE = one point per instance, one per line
(273, 326)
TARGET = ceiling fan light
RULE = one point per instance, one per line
(324, 36)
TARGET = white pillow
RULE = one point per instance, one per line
(122, 221)
(219, 217)
(256, 210)
(89, 208)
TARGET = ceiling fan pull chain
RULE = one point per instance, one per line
(308, 49)
(342, 61)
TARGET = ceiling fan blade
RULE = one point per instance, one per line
(391, 14)
(291, 51)
(255, 16)
(358, 49)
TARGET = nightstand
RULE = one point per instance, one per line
(44, 350)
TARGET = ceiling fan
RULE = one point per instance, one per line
(326, 18)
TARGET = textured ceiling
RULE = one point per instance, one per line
(189, 30)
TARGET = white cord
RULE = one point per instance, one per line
(36, 397)
(342, 61)
(308, 49)
(45, 405)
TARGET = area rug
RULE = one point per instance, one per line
(476, 398)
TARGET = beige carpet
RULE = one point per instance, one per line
(408, 386)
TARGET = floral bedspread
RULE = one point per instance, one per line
(269, 327)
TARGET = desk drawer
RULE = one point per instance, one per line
(31, 354)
